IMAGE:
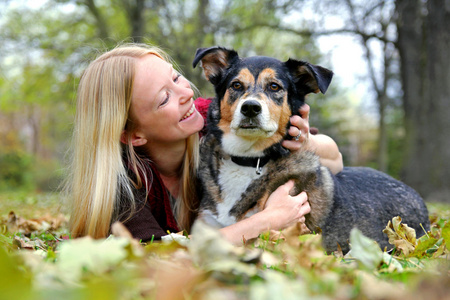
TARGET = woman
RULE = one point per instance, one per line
(136, 152)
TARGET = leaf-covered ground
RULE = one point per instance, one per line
(38, 260)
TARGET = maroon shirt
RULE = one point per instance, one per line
(154, 217)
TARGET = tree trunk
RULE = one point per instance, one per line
(135, 18)
(424, 42)
(382, 155)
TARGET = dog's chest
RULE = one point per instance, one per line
(234, 181)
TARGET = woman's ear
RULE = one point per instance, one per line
(136, 139)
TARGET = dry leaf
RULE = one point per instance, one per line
(401, 236)
(18, 224)
(379, 289)
(119, 230)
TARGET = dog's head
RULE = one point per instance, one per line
(255, 98)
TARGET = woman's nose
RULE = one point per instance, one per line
(186, 94)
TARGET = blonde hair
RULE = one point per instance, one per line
(99, 183)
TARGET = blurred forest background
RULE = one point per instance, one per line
(401, 125)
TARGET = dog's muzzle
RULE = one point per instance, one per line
(251, 108)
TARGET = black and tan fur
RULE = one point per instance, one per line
(249, 118)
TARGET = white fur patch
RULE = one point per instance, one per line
(234, 180)
(209, 218)
(237, 146)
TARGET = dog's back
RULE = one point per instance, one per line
(368, 199)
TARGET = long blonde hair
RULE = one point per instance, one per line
(99, 182)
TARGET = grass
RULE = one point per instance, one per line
(31, 205)
(44, 263)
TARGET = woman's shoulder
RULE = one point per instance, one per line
(203, 101)
(202, 104)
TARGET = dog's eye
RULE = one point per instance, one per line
(236, 86)
(274, 87)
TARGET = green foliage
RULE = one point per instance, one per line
(47, 175)
(20, 170)
(16, 170)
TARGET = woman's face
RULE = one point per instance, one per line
(162, 103)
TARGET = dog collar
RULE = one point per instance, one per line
(256, 162)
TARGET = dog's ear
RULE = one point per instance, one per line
(214, 61)
(308, 77)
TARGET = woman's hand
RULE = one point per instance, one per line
(324, 146)
(283, 210)
(299, 129)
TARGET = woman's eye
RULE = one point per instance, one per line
(236, 86)
(176, 78)
(274, 87)
(166, 99)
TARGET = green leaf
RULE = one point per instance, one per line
(6, 240)
(446, 235)
(366, 251)
(15, 280)
(423, 246)
(392, 263)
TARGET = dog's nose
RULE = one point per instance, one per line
(251, 108)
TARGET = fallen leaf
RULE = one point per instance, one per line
(88, 255)
(401, 236)
(439, 251)
(392, 263)
(277, 286)
(307, 251)
(119, 230)
(375, 288)
(210, 250)
(366, 251)
(423, 244)
(17, 224)
(175, 281)
(21, 244)
(207, 245)
(15, 280)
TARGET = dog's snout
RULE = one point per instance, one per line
(251, 108)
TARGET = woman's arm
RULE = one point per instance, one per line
(281, 211)
(328, 151)
(324, 146)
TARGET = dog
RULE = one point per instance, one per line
(243, 161)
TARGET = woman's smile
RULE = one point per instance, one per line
(189, 113)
